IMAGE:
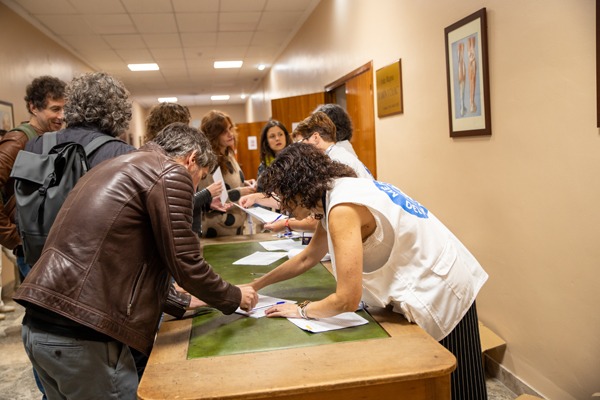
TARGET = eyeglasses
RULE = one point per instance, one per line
(306, 138)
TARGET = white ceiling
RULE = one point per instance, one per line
(184, 37)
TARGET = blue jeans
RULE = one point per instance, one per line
(24, 268)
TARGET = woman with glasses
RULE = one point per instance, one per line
(220, 131)
(386, 249)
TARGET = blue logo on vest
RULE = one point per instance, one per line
(409, 205)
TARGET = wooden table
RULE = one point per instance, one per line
(409, 364)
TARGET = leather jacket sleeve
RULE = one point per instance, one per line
(170, 208)
(202, 200)
(10, 145)
(177, 303)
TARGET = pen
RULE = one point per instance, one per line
(270, 305)
(275, 220)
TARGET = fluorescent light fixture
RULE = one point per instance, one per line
(228, 64)
(261, 67)
(143, 67)
(167, 99)
(220, 97)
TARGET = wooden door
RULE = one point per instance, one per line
(357, 88)
(294, 109)
(249, 159)
(361, 108)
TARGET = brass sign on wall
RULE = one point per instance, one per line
(389, 90)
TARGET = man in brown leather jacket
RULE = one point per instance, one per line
(103, 276)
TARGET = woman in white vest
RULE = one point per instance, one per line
(386, 249)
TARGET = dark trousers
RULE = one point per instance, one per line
(468, 379)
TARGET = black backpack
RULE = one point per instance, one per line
(42, 183)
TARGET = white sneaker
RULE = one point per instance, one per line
(6, 309)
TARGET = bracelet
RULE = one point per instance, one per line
(302, 309)
(287, 224)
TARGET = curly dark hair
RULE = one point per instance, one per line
(265, 150)
(301, 174)
(179, 139)
(213, 124)
(341, 119)
(164, 114)
(41, 89)
(98, 100)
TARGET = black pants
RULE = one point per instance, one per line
(468, 379)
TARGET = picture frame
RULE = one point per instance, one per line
(7, 118)
(467, 76)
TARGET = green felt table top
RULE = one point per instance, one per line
(215, 334)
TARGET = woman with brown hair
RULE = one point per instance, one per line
(220, 131)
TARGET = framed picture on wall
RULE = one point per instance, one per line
(6, 116)
(467, 76)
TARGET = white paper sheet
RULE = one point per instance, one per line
(264, 302)
(261, 258)
(218, 176)
(340, 321)
(262, 214)
(284, 245)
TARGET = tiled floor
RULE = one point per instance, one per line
(17, 383)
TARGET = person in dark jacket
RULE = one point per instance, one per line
(100, 283)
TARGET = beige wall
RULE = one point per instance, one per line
(525, 200)
(25, 54)
(235, 111)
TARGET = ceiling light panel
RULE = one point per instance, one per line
(143, 67)
(228, 64)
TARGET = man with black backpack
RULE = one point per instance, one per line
(97, 109)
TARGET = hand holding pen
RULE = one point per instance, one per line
(277, 225)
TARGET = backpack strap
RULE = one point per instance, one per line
(27, 129)
(98, 142)
(49, 140)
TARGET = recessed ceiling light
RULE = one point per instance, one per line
(261, 67)
(220, 97)
(243, 96)
(167, 99)
(143, 67)
(228, 64)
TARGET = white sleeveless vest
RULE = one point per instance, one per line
(430, 276)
